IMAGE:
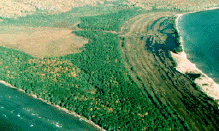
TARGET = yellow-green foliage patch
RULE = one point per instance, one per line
(93, 83)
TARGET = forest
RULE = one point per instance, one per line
(93, 83)
(111, 21)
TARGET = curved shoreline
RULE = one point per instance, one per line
(206, 84)
(53, 105)
(74, 114)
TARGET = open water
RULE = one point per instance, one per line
(200, 35)
(20, 112)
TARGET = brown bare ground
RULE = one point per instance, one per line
(17, 8)
(41, 41)
(184, 5)
(148, 40)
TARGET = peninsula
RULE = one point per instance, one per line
(110, 63)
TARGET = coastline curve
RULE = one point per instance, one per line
(206, 84)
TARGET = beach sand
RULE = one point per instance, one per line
(206, 84)
(145, 43)
(169, 85)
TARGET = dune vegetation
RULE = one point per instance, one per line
(94, 84)
(97, 81)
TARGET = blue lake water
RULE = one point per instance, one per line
(20, 112)
(200, 35)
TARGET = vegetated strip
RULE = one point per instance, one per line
(56, 106)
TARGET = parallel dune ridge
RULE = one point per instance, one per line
(116, 71)
(150, 64)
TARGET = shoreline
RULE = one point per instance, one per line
(206, 84)
(74, 114)
(152, 68)
(64, 109)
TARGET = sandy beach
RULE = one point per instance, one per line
(206, 84)
(147, 58)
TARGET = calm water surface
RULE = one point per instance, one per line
(20, 112)
(200, 35)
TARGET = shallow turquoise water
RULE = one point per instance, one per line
(200, 35)
(20, 112)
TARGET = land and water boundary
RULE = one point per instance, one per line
(184, 66)
(166, 98)
(151, 65)
(81, 118)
